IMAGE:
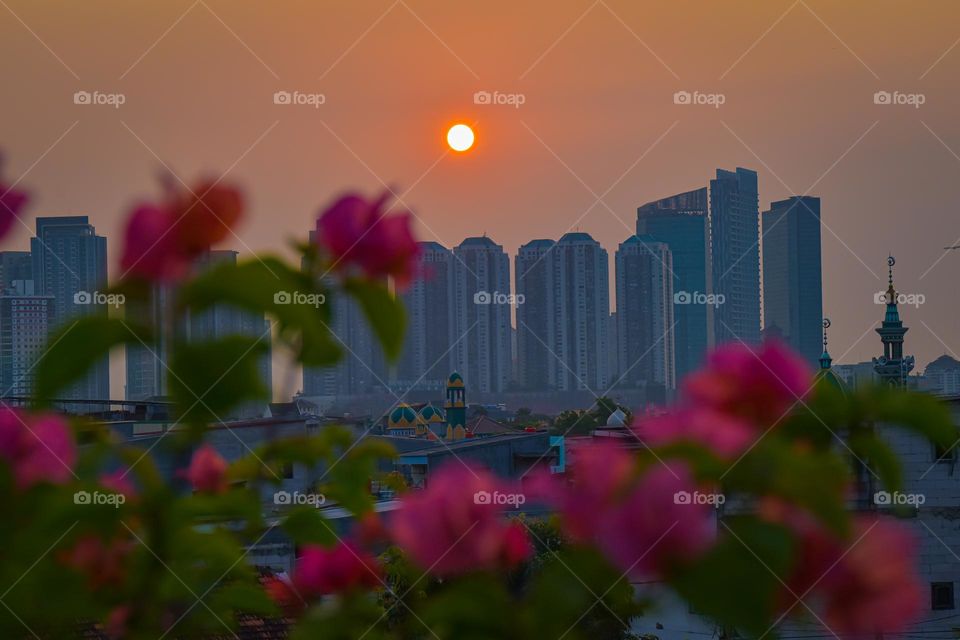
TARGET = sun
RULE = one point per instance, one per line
(460, 137)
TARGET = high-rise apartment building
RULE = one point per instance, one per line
(792, 278)
(583, 313)
(25, 321)
(426, 359)
(482, 303)
(645, 317)
(535, 275)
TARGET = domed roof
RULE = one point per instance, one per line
(944, 362)
(617, 419)
(430, 413)
(402, 417)
(455, 380)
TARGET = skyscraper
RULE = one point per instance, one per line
(735, 254)
(220, 321)
(25, 321)
(792, 279)
(70, 263)
(681, 222)
(362, 367)
(146, 373)
(645, 316)
(482, 301)
(535, 274)
(583, 312)
(427, 355)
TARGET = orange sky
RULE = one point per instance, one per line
(598, 120)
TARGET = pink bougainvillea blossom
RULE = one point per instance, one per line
(454, 527)
(357, 232)
(38, 447)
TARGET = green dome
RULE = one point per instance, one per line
(431, 413)
(402, 416)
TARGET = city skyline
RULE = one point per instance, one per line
(364, 370)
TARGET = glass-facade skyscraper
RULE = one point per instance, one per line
(681, 222)
(792, 279)
(735, 255)
(70, 263)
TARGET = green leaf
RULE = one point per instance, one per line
(306, 526)
(918, 412)
(269, 285)
(878, 455)
(809, 478)
(738, 581)
(384, 312)
(79, 345)
(210, 378)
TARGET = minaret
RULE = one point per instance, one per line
(456, 407)
(892, 367)
(825, 360)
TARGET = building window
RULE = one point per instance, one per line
(941, 595)
(943, 454)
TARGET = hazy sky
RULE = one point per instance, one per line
(598, 120)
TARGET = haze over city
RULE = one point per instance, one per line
(598, 132)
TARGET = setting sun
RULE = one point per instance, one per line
(460, 137)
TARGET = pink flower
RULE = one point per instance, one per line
(208, 471)
(655, 528)
(759, 385)
(453, 527)
(641, 522)
(357, 233)
(12, 202)
(874, 588)
(205, 214)
(344, 567)
(119, 482)
(38, 448)
(281, 591)
(726, 436)
(115, 626)
(149, 249)
(865, 583)
(103, 563)
(601, 474)
(162, 240)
